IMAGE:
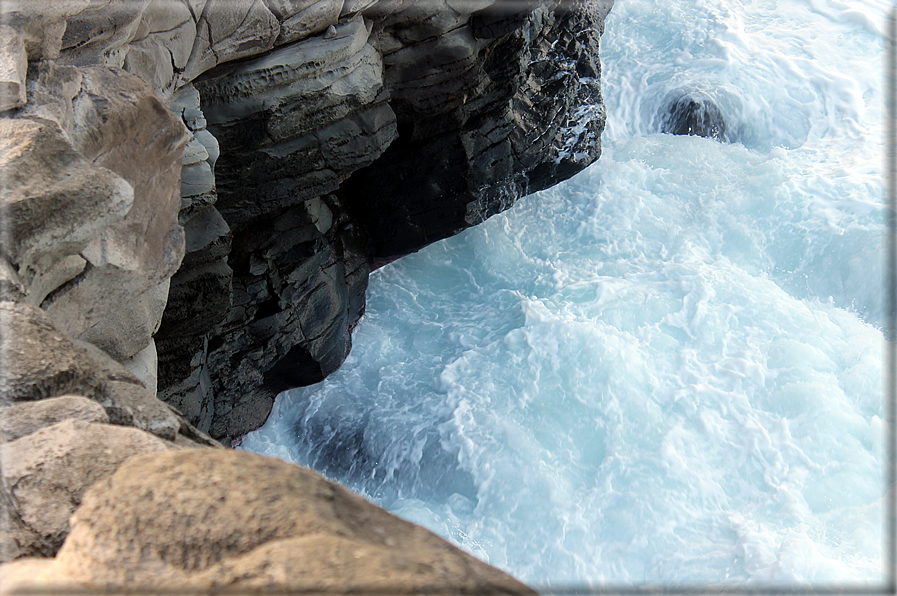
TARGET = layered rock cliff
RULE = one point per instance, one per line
(194, 193)
(397, 126)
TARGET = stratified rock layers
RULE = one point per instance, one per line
(522, 112)
(394, 128)
(295, 124)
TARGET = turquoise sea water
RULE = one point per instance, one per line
(669, 368)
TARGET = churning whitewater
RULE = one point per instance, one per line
(669, 368)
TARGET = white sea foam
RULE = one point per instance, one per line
(668, 369)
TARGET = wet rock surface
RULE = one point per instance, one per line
(694, 114)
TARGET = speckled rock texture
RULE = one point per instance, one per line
(47, 472)
(69, 416)
(255, 523)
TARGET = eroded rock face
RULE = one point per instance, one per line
(320, 177)
(304, 126)
(56, 203)
(121, 126)
(296, 123)
(91, 165)
(512, 105)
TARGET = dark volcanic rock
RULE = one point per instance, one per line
(694, 114)
(268, 303)
(384, 133)
(531, 116)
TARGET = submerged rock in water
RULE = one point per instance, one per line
(694, 114)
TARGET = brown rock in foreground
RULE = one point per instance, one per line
(18, 420)
(56, 400)
(207, 519)
(44, 475)
(40, 362)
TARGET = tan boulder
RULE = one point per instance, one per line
(128, 401)
(201, 519)
(39, 362)
(331, 563)
(17, 540)
(13, 68)
(47, 472)
(56, 201)
(24, 418)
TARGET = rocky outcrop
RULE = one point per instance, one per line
(194, 193)
(272, 524)
(304, 126)
(324, 139)
(696, 114)
(70, 416)
(291, 291)
(47, 472)
(121, 126)
(40, 363)
(511, 105)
